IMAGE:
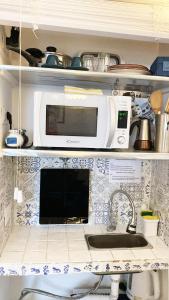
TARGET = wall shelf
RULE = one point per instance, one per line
(85, 153)
(48, 76)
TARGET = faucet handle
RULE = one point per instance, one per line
(131, 228)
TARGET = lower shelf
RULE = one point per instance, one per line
(85, 153)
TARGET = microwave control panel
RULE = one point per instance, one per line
(121, 134)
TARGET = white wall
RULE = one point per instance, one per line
(5, 105)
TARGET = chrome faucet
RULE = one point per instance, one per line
(131, 227)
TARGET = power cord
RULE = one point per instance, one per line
(27, 291)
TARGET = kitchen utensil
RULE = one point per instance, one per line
(36, 53)
(167, 107)
(76, 62)
(156, 99)
(129, 66)
(64, 59)
(143, 286)
(143, 138)
(16, 138)
(130, 69)
(30, 59)
(52, 61)
(162, 132)
(13, 40)
(99, 61)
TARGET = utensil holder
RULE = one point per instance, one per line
(162, 133)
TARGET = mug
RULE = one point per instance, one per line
(53, 60)
(76, 62)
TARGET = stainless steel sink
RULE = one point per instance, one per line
(115, 240)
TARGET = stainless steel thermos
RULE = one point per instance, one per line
(162, 132)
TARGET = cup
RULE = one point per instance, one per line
(52, 60)
(162, 133)
(76, 62)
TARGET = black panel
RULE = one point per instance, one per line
(122, 119)
(64, 196)
(71, 120)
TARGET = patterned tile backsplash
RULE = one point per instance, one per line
(101, 188)
(160, 195)
(6, 198)
(152, 190)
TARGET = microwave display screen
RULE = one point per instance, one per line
(122, 119)
(64, 196)
(71, 120)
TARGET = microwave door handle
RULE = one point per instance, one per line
(111, 122)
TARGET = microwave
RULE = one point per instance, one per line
(81, 121)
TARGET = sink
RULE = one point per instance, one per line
(115, 240)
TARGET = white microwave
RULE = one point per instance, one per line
(81, 121)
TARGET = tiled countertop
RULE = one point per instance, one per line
(44, 250)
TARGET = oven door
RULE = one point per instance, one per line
(71, 120)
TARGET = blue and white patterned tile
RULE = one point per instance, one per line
(102, 166)
(28, 164)
(27, 213)
(100, 188)
(51, 162)
(82, 163)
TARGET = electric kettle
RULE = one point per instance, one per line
(143, 286)
(143, 138)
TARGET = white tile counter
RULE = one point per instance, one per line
(44, 250)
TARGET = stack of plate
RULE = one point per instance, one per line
(129, 69)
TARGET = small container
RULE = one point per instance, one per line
(150, 225)
(14, 138)
(160, 66)
(162, 133)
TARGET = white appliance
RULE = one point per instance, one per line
(81, 121)
(143, 286)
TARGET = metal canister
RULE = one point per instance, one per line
(162, 133)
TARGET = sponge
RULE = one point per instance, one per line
(146, 213)
(151, 217)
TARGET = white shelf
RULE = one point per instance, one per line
(48, 76)
(85, 153)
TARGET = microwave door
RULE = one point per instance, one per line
(111, 121)
(60, 121)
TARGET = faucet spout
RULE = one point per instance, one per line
(131, 227)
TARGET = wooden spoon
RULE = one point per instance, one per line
(156, 100)
(167, 107)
